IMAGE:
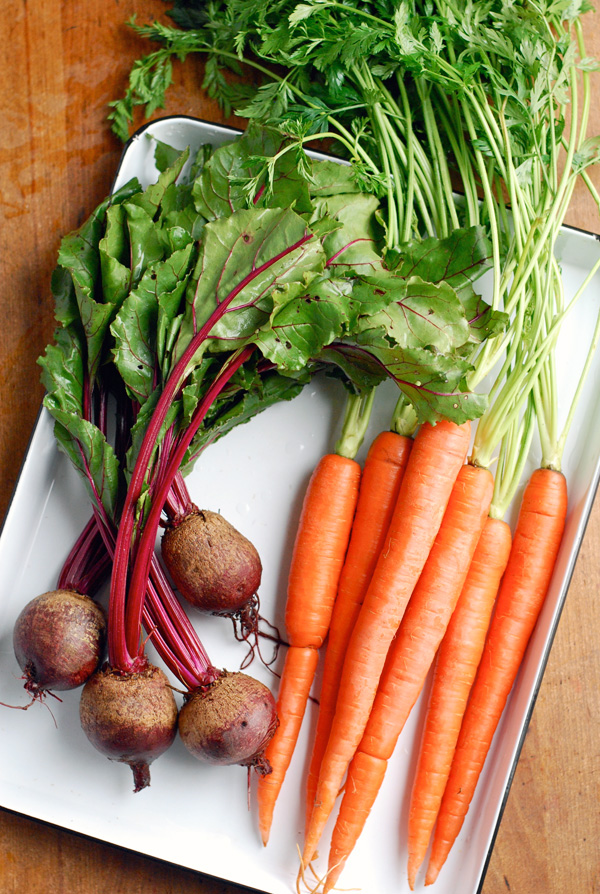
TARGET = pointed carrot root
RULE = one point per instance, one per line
(365, 776)
(436, 457)
(455, 668)
(317, 560)
(382, 473)
(296, 681)
(524, 587)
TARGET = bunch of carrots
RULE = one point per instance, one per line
(409, 565)
(413, 556)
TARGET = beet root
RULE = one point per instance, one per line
(212, 565)
(59, 640)
(130, 717)
(231, 721)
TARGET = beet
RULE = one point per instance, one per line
(212, 565)
(59, 640)
(130, 717)
(231, 721)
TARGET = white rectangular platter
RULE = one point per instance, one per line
(194, 815)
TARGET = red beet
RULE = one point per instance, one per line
(229, 722)
(59, 640)
(213, 566)
(130, 717)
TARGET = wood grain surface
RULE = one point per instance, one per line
(61, 63)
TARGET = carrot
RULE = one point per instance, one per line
(455, 668)
(362, 786)
(413, 651)
(437, 454)
(320, 548)
(382, 473)
(526, 581)
(296, 680)
(317, 560)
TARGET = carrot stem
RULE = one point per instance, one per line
(356, 422)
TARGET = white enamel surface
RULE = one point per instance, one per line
(194, 815)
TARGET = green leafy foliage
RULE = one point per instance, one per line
(244, 258)
(143, 325)
(162, 287)
(422, 97)
(64, 378)
(304, 320)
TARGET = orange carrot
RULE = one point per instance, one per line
(296, 680)
(317, 560)
(361, 789)
(526, 581)
(413, 651)
(436, 457)
(320, 549)
(382, 473)
(455, 668)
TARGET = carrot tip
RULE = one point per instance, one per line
(431, 876)
(414, 864)
(265, 832)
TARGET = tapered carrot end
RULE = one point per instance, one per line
(432, 874)
(265, 813)
(309, 854)
(264, 828)
(333, 875)
(416, 855)
(313, 836)
(412, 875)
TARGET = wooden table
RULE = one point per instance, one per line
(61, 63)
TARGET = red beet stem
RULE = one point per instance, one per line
(145, 550)
(122, 646)
(168, 625)
(170, 620)
(86, 566)
(179, 503)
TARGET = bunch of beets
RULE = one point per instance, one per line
(183, 310)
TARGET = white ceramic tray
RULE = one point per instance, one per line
(197, 816)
